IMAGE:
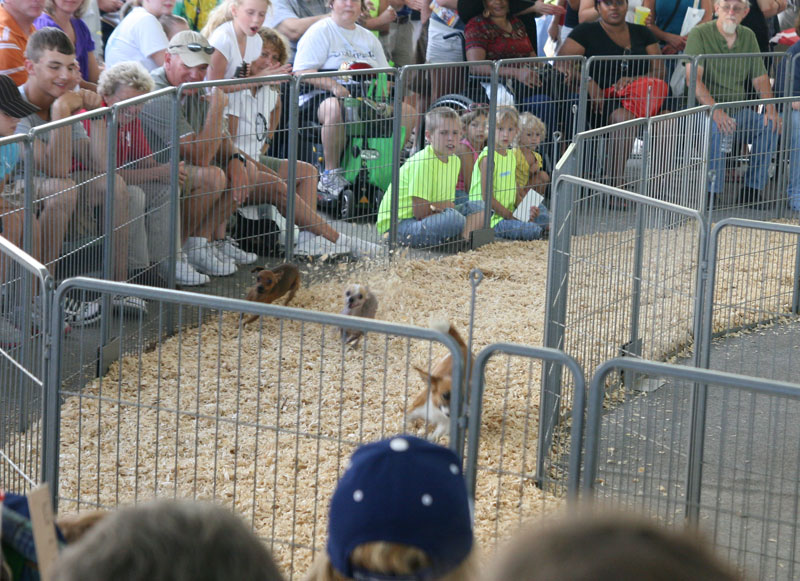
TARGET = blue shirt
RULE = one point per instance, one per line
(9, 156)
(664, 9)
(780, 77)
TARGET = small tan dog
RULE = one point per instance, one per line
(432, 405)
(273, 284)
(358, 302)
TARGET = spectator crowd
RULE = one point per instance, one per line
(58, 59)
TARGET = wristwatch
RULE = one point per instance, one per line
(238, 156)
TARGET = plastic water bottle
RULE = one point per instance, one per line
(726, 142)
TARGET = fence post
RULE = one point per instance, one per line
(108, 220)
(51, 409)
(291, 178)
(692, 88)
(396, 146)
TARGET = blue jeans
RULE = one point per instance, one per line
(430, 231)
(793, 190)
(517, 230)
(750, 126)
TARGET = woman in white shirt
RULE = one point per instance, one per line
(326, 46)
(140, 36)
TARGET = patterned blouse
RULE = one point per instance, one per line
(483, 33)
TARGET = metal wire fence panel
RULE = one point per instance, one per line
(260, 415)
(752, 294)
(623, 275)
(733, 77)
(613, 155)
(712, 449)
(26, 290)
(516, 460)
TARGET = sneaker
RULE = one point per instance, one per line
(79, 313)
(333, 182)
(359, 248)
(129, 305)
(310, 245)
(185, 274)
(149, 276)
(200, 254)
(229, 248)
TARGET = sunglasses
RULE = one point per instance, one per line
(195, 47)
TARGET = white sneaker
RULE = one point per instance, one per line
(79, 313)
(229, 248)
(311, 245)
(333, 182)
(358, 247)
(185, 274)
(200, 254)
(129, 305)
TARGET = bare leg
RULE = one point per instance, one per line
(620, 148)
(200, 207)
(95, 195)
(333, 135)
(59, 198)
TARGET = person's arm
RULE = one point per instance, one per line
(725, 123)
(542, 8)
(386, 15)
(201, 148)
(94, 68)
(294, 28)
(570, 47)
(656, 65)
(217, 66)
(274, 121)
(587, 12)
(467, 166)
(675, 41)
(423, 208)
(771, 8)
(762, 85)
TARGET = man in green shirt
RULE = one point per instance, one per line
(726, 80)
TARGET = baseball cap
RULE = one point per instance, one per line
(401, 490)
(11, 101)
(192, 47)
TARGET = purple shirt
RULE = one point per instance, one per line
(83, 39)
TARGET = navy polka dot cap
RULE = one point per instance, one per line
(402, 490)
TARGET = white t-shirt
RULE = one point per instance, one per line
(138, 36)
(253, 112)
(224, 40)
(326, 45)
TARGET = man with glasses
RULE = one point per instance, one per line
(727, 80)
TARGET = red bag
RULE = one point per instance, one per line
(634, 96)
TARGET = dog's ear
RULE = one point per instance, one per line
(427, 377)
(257, 269)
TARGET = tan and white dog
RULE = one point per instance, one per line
(432, 405)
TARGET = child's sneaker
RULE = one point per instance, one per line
(333, 182)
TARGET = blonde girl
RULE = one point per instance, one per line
(530, 165)
(232, 29)
(504, 186)
(475, 124)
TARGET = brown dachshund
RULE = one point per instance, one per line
(273, 284)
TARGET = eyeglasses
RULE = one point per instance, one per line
(614, 2)
(732, 8)
(195, 47)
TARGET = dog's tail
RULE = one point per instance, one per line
(445, 326)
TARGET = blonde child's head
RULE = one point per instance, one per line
(506, 129)
(475, 123)
(274, 49)
(443, 130)
(435, 118)
(532, 131)
(239, 12)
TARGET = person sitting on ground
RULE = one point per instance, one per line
(504, 199)
(16, 26)
(168, 540)
(722, 81)
(607, 547)
(66, 15)
(399, 511)
(52, 75)
(144, 175)
(475, 124)
(426, 212)
(530, 163)
(139, 36)
(327, 46)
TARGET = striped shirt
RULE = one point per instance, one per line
(13, 41)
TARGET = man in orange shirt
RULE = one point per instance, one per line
(16, 25)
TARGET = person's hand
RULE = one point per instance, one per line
(621, 83)
(90, 99)
(541, 7)
(66, 105)
(725, 123)
(239, 182)
(340, 91)
(534, 213)
(183, 175)
(418, 5)
(771, 114)
(217, 100)
(268, 71)
(528, 76)
(676, 42)
(554, 30)
(109, 5)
